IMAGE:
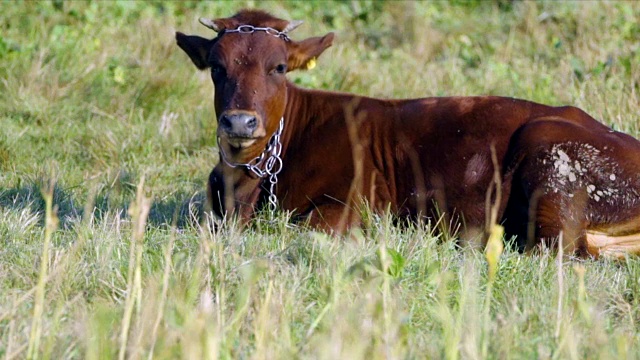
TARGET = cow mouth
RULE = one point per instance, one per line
(240, 142)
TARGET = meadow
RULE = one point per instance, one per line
(108, 136)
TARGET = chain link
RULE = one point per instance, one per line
(271, 159)
(248, 29)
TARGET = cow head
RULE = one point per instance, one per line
(248, 61)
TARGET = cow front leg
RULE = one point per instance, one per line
(231, 192)
(216, 194)
(334, 219)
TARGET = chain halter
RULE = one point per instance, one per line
(248, 29)
(270, 159)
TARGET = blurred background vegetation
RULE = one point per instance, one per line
(101, 88)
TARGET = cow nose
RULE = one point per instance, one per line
(239, 124)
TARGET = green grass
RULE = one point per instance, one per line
(97, 96)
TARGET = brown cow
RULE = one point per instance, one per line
(549, 170)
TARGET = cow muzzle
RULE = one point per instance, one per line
(240, 128)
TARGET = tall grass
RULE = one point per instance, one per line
(98, 94)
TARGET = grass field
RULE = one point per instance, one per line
(106, 123)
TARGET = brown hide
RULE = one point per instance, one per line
(561, 171)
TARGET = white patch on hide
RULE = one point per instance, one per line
(572, 172)
(476, 168)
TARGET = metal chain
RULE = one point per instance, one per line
(271, 159)
(248, 29)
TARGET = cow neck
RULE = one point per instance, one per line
(306, 111)
(297, 115)
(292, 114)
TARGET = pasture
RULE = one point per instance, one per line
(108, 136)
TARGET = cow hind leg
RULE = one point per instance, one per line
(516, 219)
(601, 244)
(615, 240)
(537, 217)
(557, 220)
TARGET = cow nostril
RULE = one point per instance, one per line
(225, 122)
(252, 123)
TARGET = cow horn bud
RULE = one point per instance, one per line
(292, 25)
(210, 24)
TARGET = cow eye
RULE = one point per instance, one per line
(281, 69)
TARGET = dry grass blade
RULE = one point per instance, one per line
(354, 121)
(139, 212)
(165, 289)
(51, 223)
(559, 259)
(494, 247)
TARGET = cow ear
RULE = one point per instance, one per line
(303, 54)
(196, 47)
